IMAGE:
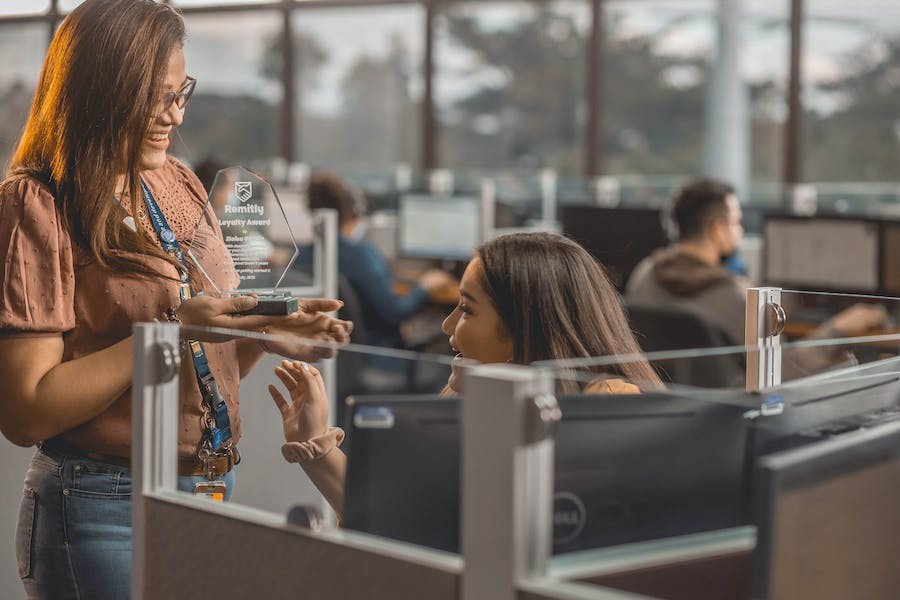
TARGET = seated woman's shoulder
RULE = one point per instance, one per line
(611, 386)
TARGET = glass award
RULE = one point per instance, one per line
(243, 243)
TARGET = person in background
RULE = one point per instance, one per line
(692, 275)
(95, 218)
(525, 297)
(363, 266)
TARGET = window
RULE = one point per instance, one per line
(851, 98)
(22, 48)
(660, 59)
(24, 7)
(359, 86)
(233, 115)
(510, 84)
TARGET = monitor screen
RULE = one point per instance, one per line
(440, 227)
(820, 253)
(627, 468)
(619, 238)
(827, 519)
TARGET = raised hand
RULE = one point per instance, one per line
(305, 414)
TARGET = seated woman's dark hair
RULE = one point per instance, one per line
(327, 190)
(556, 302)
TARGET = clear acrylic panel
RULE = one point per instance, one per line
(633, 453)
(280, 388)
(825, 332)
(643, 461)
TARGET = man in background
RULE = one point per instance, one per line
(690, 274)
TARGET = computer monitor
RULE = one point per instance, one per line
(832, 253)
(618, 237)
(438, 227)
(811, 411)
(627, 468)
(827, 520)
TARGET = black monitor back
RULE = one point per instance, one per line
(618, 237)
(627, 468)
(819, 409)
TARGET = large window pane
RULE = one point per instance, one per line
(22, 49)
(233, 116)
(510, 83)
(23, 7)
(182, 3)
(659, 63)
(359, 86)
(852, 98)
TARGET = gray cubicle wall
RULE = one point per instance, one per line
(195, 553)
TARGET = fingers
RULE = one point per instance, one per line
(286, 378)
(238, 304)
(306, 375)
(280, 402)
(314, 305)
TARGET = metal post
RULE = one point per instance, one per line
(548, 195)
(594, 140)
(508, 416)
(726, 148)
(290, 103)
(154, 427)
(428, 150)
(793, 134)
(488, 209)
(325, 276)
(763, 323)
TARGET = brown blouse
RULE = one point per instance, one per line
(51, 286)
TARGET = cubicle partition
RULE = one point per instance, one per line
(556, 480)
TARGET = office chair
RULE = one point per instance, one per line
(660, 329)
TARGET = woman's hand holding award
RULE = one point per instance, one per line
(255, 231)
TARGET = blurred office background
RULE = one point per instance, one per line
(766, 93)
(615, 102)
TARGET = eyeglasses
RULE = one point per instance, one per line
(181, 97)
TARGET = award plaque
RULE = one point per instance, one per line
(256, 233)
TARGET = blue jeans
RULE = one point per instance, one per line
(73, 537)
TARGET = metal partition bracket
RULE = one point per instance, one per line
(154, 426)
(488, 207)
(508, 417)
(764, 322)
(325, 278)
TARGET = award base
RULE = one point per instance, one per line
(275, 305)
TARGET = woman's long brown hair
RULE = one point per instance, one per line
(556, 302)
(95, 100)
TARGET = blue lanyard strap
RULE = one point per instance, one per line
(218, 425)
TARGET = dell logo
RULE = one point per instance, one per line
(569, 517)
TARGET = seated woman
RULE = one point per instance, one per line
(525, 297)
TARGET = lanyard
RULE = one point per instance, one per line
(218, 425)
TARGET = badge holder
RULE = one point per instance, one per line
(212, 489)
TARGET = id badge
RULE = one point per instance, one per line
(214, 490)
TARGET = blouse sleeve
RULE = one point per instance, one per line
(36, 266)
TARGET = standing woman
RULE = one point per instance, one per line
(93, 218)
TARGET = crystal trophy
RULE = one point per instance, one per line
(243, 243)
